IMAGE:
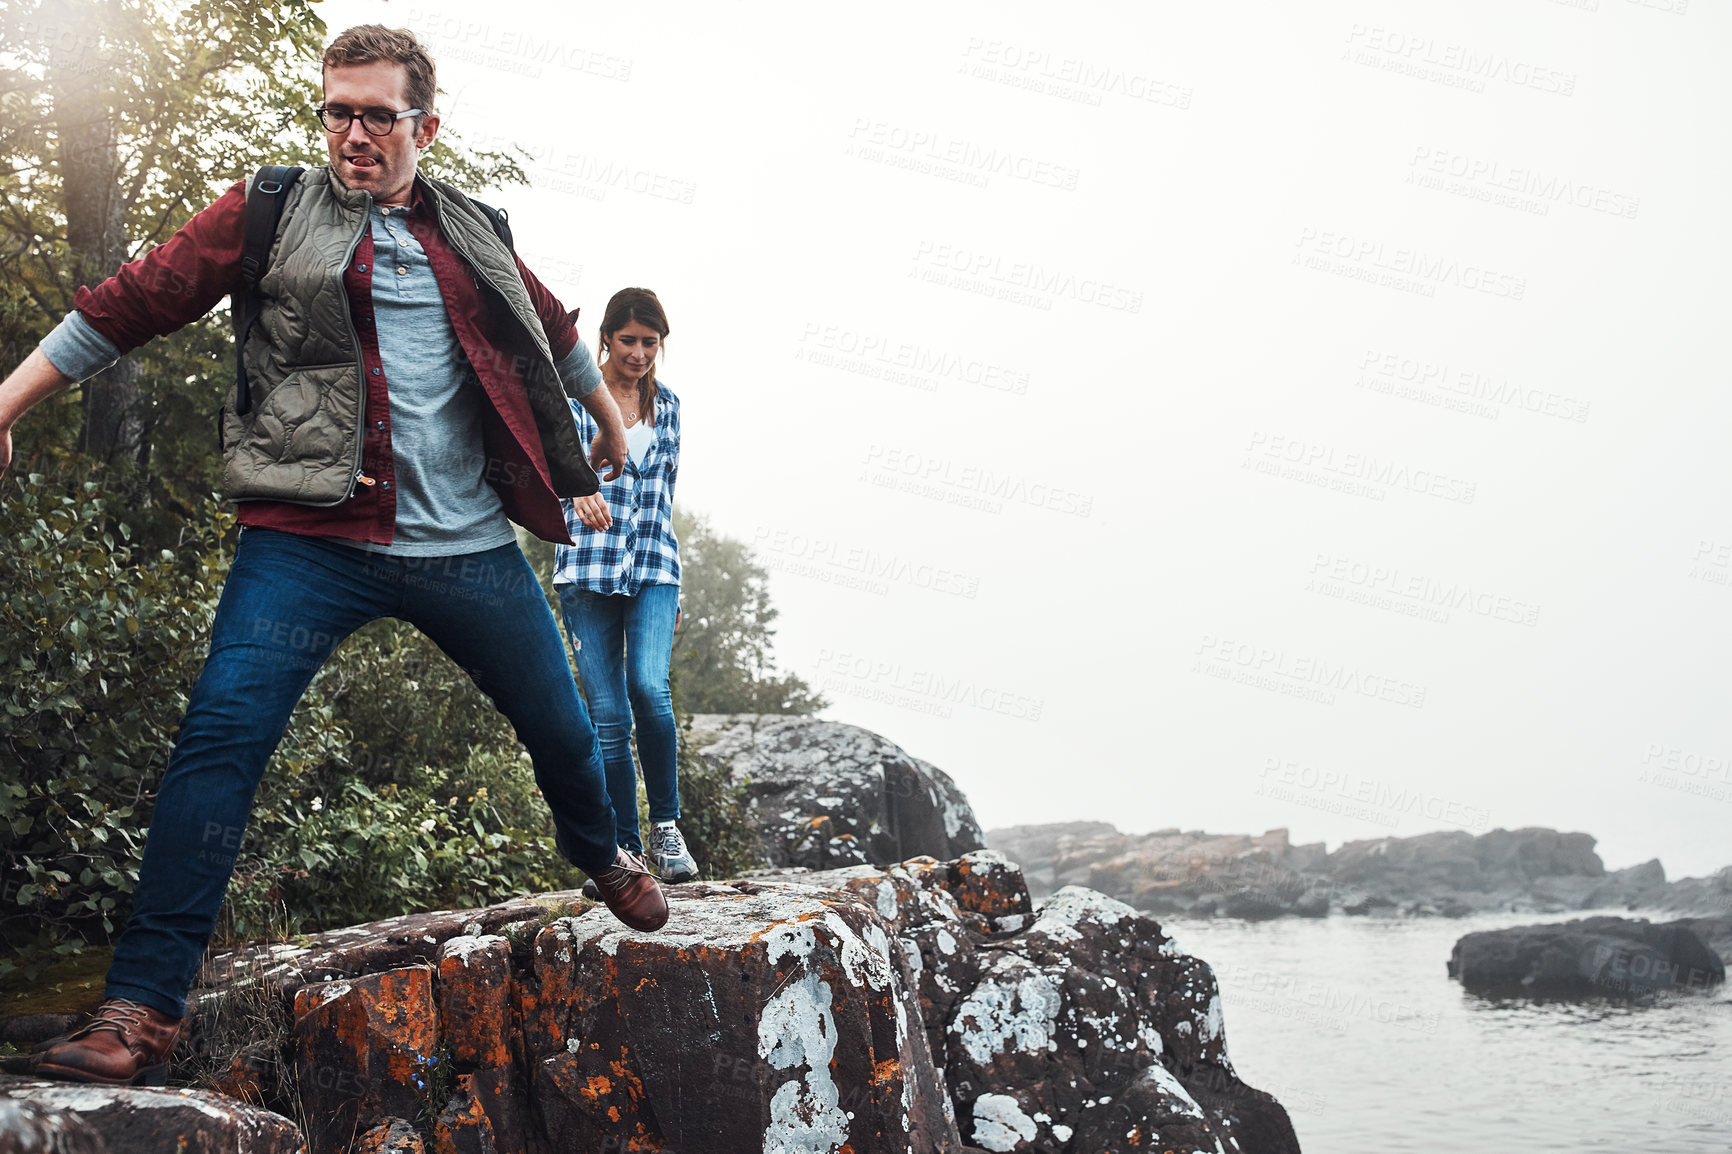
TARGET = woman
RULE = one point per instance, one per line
(619, 586)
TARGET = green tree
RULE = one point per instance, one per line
(722, 653)
(118, 120)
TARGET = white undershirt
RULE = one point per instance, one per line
(638, 439)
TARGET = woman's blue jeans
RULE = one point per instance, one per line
(288, 602)
(624, 645)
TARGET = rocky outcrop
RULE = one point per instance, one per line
(926, 1005)
(1588, 957)
(56, 1118)
(824, 794)
(1035, 849)
(1451, 873)
(1078, 1026)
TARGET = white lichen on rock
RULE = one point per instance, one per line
(999, 1123)
(1073, 906)
(1014, 1006)
(797, 1030)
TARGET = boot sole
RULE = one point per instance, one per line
(149, 1076)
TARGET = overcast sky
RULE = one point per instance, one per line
(1214, 416)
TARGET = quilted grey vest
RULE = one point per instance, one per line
(301, 441)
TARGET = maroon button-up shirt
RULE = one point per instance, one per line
(183, 278)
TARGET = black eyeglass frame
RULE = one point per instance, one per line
(349, 116)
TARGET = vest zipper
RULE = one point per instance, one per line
(360, 360)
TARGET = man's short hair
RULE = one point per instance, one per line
(366, 43)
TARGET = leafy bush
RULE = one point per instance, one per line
(99, 645)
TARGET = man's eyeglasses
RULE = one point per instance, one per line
(377, 121)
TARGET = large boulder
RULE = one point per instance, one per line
(58, 1118)
(824, 794)
(1588, 957)
(1715, 932)
(1076, 1026)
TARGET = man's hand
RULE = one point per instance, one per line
(32, 381)
(593, 512)
(608, 452)
(609, 447)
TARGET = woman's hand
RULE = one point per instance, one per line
(592, 511)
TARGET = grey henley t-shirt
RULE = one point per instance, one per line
(444, 504)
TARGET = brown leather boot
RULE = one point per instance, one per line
(631, 892)
(125, 1043)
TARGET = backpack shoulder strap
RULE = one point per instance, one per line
(501, 221)
(262, 215)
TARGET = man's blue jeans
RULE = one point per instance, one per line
(289, 600)
(624, 645)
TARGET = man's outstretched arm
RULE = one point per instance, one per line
(31, 382)
(172, 285)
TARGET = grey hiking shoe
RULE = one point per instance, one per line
(673, 861)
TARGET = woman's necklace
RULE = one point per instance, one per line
(629, 415)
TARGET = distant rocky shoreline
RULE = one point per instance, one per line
(1448, 874)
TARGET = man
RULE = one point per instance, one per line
(406, 394)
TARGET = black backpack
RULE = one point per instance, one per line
(263, 214)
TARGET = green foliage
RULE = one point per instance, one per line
(99, 643)
(722, 653)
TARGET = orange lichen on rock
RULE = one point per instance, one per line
(986, 882)
(463, 1126)
(361, 1045)
(475, 1000)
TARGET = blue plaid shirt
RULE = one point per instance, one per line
(638, 549)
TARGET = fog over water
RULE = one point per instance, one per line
(1214, 416)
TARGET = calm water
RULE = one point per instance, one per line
(1354, 1026)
